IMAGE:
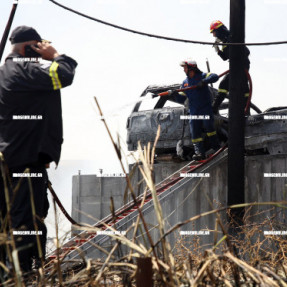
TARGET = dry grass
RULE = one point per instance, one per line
(258, 261)
(248, 258)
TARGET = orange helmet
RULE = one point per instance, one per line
(215, 25)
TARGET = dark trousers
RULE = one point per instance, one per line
(22, 219)
(198, 126)
(223, 90)
(224, 85)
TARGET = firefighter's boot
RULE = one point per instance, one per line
(214, 143)
(199, 151)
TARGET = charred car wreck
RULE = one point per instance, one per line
(175, 139)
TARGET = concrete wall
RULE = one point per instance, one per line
(260, 188)
(188, 198)
(91, 194)
(91, 197)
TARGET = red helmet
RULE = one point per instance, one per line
(215, 25)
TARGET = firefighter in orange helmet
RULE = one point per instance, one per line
(222, 35)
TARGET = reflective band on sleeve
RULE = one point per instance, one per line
(222, 91)
(182, 94)
(207, 75)
(197, 140)
(246, 95)
(54, 76)
(211, 134)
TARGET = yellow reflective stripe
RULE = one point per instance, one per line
(246, 95)
(54, 76)
(182, 94)
(197, 140)
(220, 24)
(211, 134)
(223, 47)
(207, 75)
(217, 26)
(222, 91)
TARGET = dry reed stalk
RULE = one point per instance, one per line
(210, 275)
(146, 157)
(226, 281)
(57, 264)
(204, 273)
(200, 273)
(138, 221)
(127, 178)
(96, 282)
(39, 248)
(17, 270)
(203, 214)
(275, 276)
(249, 268)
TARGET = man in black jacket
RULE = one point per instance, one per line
(222, 35)
(30, 135)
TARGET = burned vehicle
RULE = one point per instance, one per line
(149, 113)
(143, 123)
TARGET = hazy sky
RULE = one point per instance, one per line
(116, 66)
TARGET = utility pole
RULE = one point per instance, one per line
(101, 193)
(236, 108)
(7, 29)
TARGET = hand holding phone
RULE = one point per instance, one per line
(46, 51)
(31, 53)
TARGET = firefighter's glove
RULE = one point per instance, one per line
(216, 48)
(200, 84)
(154, 95)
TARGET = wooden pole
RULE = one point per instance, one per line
(236, 107)
(7, 29)
(144, 272)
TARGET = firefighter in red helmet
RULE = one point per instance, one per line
(222, 35)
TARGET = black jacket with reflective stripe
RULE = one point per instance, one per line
(224, 55)
(30, 108)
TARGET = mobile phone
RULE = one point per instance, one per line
(29, 52)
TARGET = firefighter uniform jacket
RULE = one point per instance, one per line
(224, 55)
(200, 104)
(199, 98)
(30, 108)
